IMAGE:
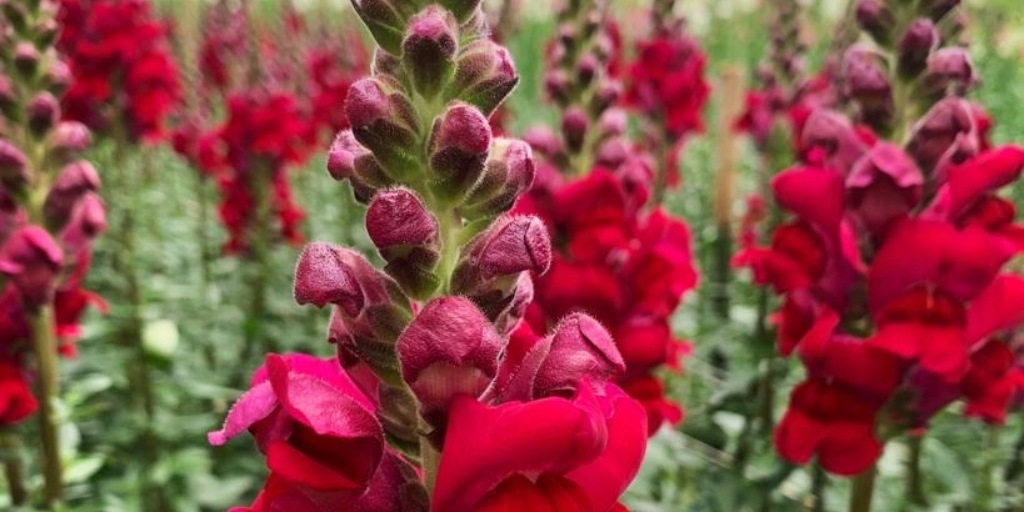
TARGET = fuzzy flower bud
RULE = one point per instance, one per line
(406, 234)
(384, 121)
(26, 58)
(508, 173)
(484, 76)
(876, 19)
(13, 163)
(575, 124)
(449, 349)
(581, 349)
(915, 45)
(512, 245)
(87, 220)
(58, 77)
(348, 159)
(31, 259)
(868, 84)
(43, 112)
(833, 134)
(429, 49)
(385, 22)
(458, 148)
(462, 9)
(950, 71)
(947, 126)
(71, 138)
(884, 186)
(75, 180)
(7, 96)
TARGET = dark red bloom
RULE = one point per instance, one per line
(16, 400)
(667, 80)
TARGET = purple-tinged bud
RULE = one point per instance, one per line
(938, 9)
(26, 58)
(13, 163)
(449, 349)
(43, 112)
(458, 148)
(88, 219)
(587, 69)
(75, 180)
(876, 19)
(545, 141)
(385, 64)
(884, 186)
(385, 22)
(46, 31)
(384, 121)
(508, 173)
(949, 121)
(8, 96)
(916, 44)
(431, 43)
(606, 95)
(512, 245)
(575, 124)
(462, 9)
(867, 82)
(511, 311)
(14, 14)
(348, 159)
(558, 85)
(406, 234)
(832, 133)
(32, 260)
(58, 77)
(71, 138)
(484, 76)
(950, 71)
(612, 123)
(327, 274)
(581, 351)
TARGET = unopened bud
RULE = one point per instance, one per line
(508, 173)
(575, 124)
(916, 44)
(449, 349)
(88, 219)
(832, 133)
(348, 159)
(939, 130)
(587, 69)
(406, 234)
(26, 58)
(71, 138)
(429, 50)
(384, 121)
(512, 245)
(868, 84)
(938, 9)
(458, 148)
(327, 274)
(581, 350)
(385, 22)
(43, 113)
(950, 71)
(884, 186)
(876, 19)
(484, 76)
(31, 259)
(13, 163)
(58, 77)
(545, 141)
(606, 95)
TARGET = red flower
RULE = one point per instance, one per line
(650, 392)
(667, 80)
(16, 400)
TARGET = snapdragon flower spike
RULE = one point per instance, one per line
(459, 144)
(917, 43)
(406, 234)
(429, 48)
(484, 75)
(385, 19)
(449, 349)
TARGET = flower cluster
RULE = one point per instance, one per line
(50, 211)
(892, 270)
(125, 79)
(436, 401)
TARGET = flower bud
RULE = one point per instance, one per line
(938, 9)
(46, 31)
(884, 186)
(512, 245)
(58, 77)
(13, 163)
(545, 141)
(88, 219)
(937, 132)
(14, 14)
(558, 86)
(508, 173)
(71, 138)
(606, 95)
(510, 311)
(459, 144)
(950, 71)
(876, 19)
(916, 44)
(8, 96)
(581, 350)
(868, 84)
(832, 133)
(462, 9)
(327, 274)
(75, 180)
(587, 69)
(575, 124)
(406, 234)
(348, 159)
(448, 349)
(384, 121)
(43, 113)
(26, 58)
(429, 50)
(31, 259)
(385, 22)
(484, 76)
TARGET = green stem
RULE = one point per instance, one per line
(863, 490)
(819, 485)
(1016, 465)
(14, 468)
(44, 342)
(915, 477)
